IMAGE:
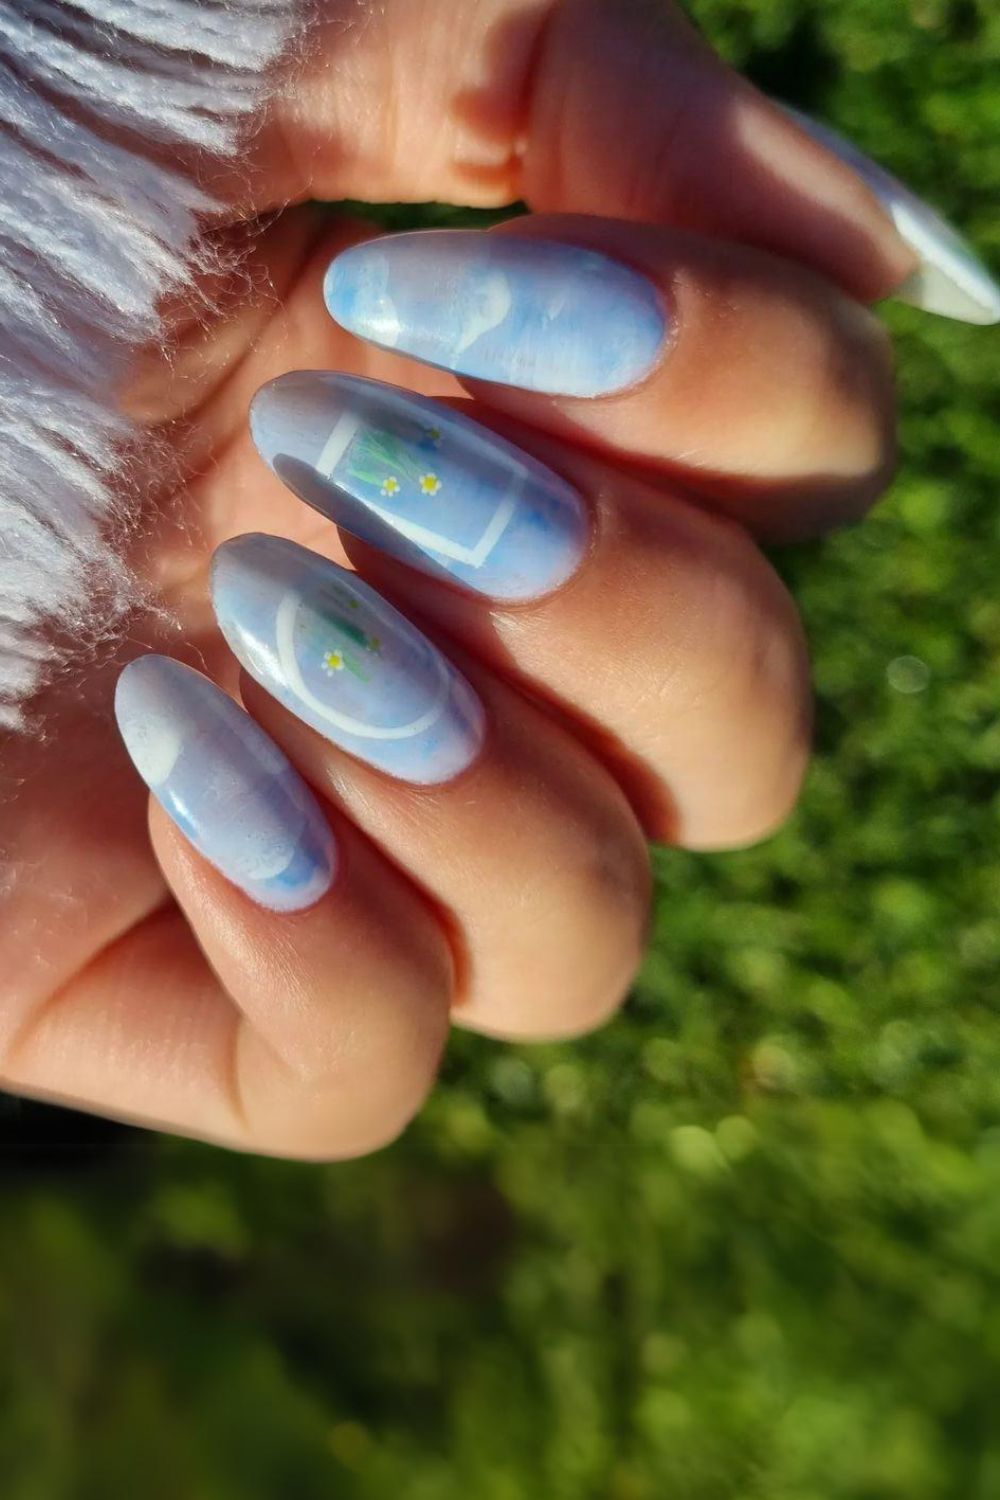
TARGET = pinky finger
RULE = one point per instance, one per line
(311, 1032)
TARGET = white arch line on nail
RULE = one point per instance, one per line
(285, 641)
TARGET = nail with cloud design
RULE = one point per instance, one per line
(228, 788)
(422, 482)
(339, 657)
(950, 279)
(537, 314)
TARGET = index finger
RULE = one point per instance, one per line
(611, 107)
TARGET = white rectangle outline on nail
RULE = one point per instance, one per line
(337, 445)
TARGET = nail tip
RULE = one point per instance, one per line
(217, 567)
(950, 280)
(125, 692)
(233, 551)
(337, 277)
(269, 407)
(257, 414)
(934, 289)
(123, 686)
(235, 569)
(138, 674)
(332, 287)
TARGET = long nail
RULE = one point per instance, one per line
(228, 788)
(343, 660)
(525, 312)
(423, 483)
(950, 280)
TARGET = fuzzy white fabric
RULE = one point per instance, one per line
(92, 234)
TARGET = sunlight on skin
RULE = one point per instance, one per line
(80, 877)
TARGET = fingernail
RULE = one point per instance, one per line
(229, 789)
(343, 660)
(422, 483)
(531, 313)
(950, 280)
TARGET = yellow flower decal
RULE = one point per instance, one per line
(429, 484)
(391, 487)
(333, 661)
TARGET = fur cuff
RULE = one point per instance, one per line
(92, 234)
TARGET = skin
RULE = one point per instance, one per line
(136, 981)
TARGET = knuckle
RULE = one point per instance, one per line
(860, 385)
(600, 896)
(749, 709)
(613, 866)
(558, 947)
(363, 1084)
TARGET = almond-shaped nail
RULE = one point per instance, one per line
(537, 314)
(339, 657)
(951, 280)
(421, 482)
(230, 790)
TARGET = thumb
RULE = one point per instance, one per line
(611, 107)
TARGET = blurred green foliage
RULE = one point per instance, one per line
(745, 1244)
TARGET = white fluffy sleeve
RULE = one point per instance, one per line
(92, 233)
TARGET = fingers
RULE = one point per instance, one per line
(749, 379)
(610, 107)
(525, 888)
(659, 629)
(319, 1031)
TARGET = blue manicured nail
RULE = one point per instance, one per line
(340, 658)
(532, 313)
(228, 788)
(950, 280)
(423, 483)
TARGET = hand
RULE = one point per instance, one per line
(659, 691)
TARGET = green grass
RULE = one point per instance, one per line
(743, 1245)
